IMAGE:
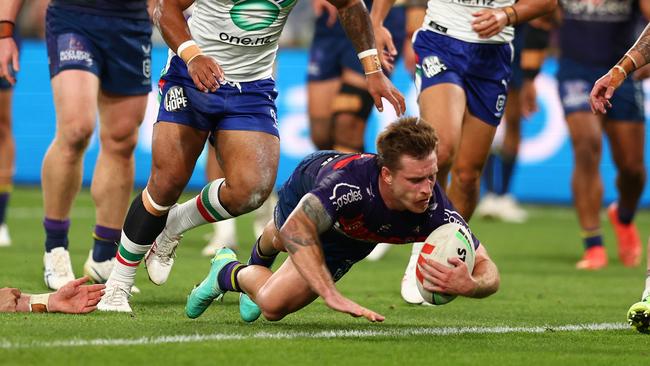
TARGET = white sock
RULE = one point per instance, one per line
(129, 255)
(202, 209)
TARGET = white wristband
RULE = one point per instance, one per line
(41, 299)
(366, 53)
(621, 69)
(184, 45)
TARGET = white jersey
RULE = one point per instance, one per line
(454, 18)
(241, 35)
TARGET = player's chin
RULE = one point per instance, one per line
(419, 206)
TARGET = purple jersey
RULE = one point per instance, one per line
(597, 32)
(347, 186)
(132, 9)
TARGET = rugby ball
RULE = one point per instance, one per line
(447, 241)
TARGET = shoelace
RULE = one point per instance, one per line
(61, 263)
(117, 295)
(167, 249)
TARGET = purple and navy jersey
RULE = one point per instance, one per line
(597, 32)
(131, 9)
(347, 186)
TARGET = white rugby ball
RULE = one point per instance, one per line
(447, 241)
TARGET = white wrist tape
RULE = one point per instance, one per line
(366, 53)
(38, 303)
(185, 45)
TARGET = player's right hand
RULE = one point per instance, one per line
(380, 87)
(345, 305)
(9, 299)
(386, 47)
(603, 91)
(206, 73)
(8, 57)
(323, 6)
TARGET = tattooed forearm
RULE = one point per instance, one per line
(303, 226)
(355, 19)
(642, 45)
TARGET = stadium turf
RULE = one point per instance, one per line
(546, 313)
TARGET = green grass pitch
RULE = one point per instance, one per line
(528, 322)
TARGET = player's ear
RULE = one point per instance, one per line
(386, 175)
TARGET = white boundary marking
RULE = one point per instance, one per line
(338, 333)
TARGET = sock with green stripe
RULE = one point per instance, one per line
(202, 209)
(227, 277)
(140, 230)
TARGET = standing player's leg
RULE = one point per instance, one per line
(585, 130)
(63, 164)
(320, 94)
(175, 150)
(627, 140)
(119, 117)
(351, 108)
(7, 156)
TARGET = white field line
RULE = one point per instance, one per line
(340, 333)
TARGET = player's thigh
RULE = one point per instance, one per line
(286, 291)
(474, 147)
(585, 131)
(75, 103)
(120, 116)
(249, 159)
(175, 149)
(6, 98)
(443, 107)
(627, 142)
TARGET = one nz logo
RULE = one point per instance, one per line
(432, 66)
(175, 99)
(341, 199)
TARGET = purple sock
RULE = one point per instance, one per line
(4, 201)
(106, 240)
(56, 233)
(257, 258)
(592, 238)
(625, 215)
(227, 277)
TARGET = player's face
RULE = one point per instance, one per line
(412, 184)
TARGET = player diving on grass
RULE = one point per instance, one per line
(331, 213)
(218, 80)
(637, 57)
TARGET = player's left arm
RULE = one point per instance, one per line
(8, 49)
(482, 282)
(489, 22)
(355, 19)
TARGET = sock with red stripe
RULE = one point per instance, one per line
(140, 230)
(227, 277)
(202, 209)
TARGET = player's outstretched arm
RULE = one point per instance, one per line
(299, 235)
(483, 282)
(356, 22)
(634, 58)
(204, 70)
(74, 298)
(8, 50)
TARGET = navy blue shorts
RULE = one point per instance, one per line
(245, 106)
(517, 78)
(482, 70)
(330, 53)
(340, 252)
(117, 50)
(4, 83)
(575, 81)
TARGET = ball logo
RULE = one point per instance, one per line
(175, 99)
(252, 15)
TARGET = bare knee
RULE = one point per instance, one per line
(633, 172)
(119, 143)
(73, 139)
(467, 178)
(245, 195)
(587, 154)
(165, 188)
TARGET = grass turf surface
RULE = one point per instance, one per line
(539, 288)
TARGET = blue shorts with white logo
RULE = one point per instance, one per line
(244, 106)
(482, 70)
(331, 52)
(575, 81)
(4, 83)
(117, 50)
(340, 252)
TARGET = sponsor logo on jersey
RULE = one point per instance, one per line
(344, 194)
(252, 15)
(175, 99)
(432, 66)
(484, 3)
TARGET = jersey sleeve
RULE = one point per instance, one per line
(453, 216)
(338, 192)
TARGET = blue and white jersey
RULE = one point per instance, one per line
(597, 32)
(347, 186)
(454, 18)
(241, 35)
(131, 9)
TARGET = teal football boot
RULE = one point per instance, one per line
(207, 291)
(248, 309)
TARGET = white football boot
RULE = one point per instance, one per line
(159, 260)
(488, 206)
(5, 239)
(58, 269)
(116, 297)
(409, 291)
(379, 252)
(98, 272)
(224, 236)
(508, 210)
